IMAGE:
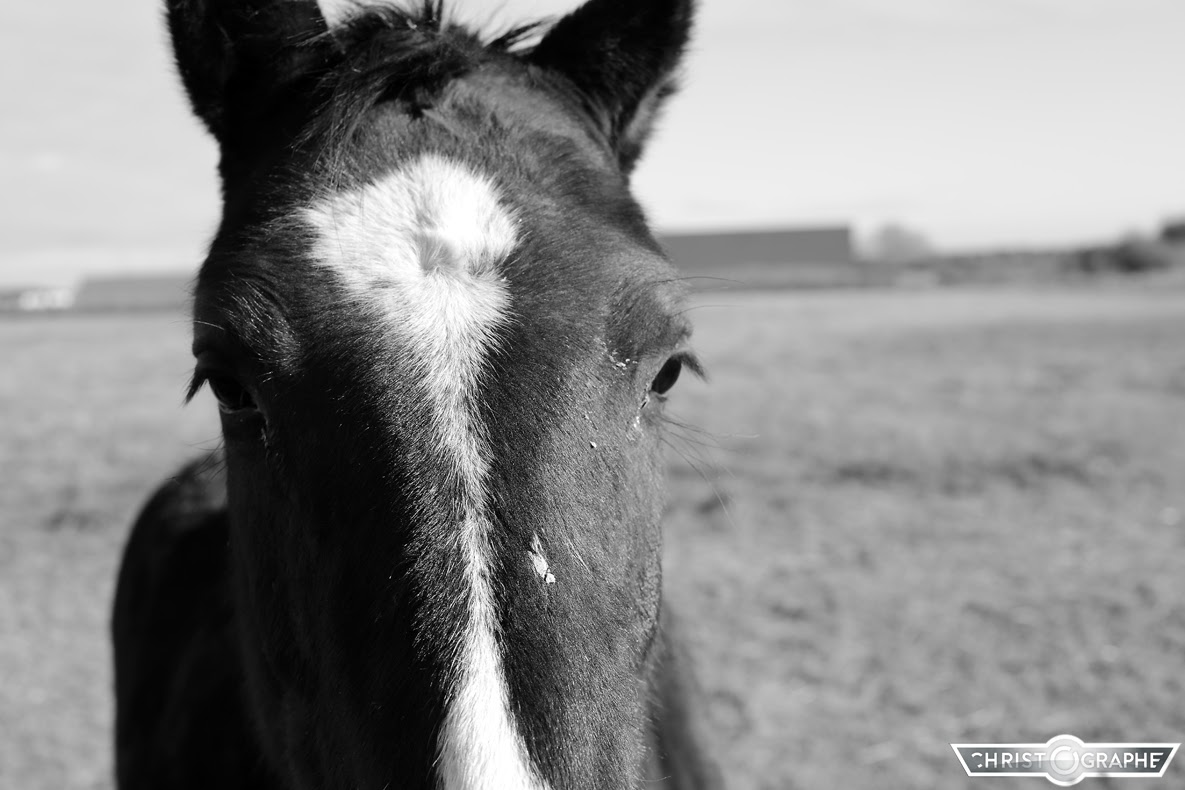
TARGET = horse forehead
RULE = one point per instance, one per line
(432, 218)
(424, 249)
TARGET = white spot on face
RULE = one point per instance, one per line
(432, 230)
(540, 562)
(337, 11)
(419, 249)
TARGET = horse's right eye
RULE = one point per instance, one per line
(232, 396)
(667, 376)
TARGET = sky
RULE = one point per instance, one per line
(978, 123)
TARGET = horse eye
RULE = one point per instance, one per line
(231, 395)
(667, 376)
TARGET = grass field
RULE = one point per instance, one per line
(918, 518)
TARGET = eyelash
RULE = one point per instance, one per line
(668, 374)
(232, 396)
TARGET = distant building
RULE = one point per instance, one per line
(39, 299)
(36, 300)
(116, 294)
(706, 251)
(800, 257)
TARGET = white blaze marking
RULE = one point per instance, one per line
(419, 249)
(338, 11)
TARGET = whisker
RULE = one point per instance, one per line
(693, 307)
(215, 459)
(715, 491)
(696, 449)
(691, 277)
(704, 438)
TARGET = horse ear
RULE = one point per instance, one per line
(237, 57)
(621, 55)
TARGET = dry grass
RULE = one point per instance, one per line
(932, 517)
(90, 418)
(949, 516)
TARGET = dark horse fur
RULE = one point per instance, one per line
(289, 610)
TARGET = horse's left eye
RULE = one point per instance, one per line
(667, 376)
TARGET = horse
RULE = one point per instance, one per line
(440, 334)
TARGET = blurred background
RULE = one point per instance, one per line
(935, 489)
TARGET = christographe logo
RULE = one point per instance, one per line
(1065, 760)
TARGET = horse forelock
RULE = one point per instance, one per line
(385, 53)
